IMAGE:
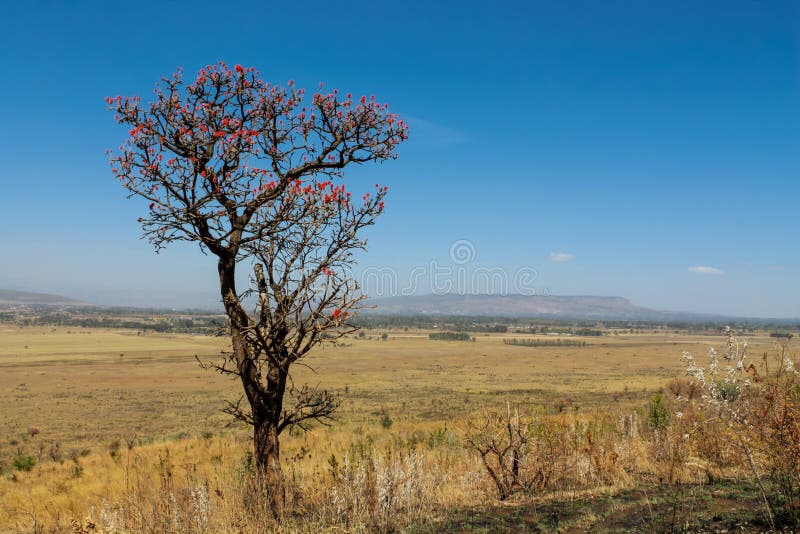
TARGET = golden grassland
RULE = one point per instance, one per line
(117, 420)
(88, 387)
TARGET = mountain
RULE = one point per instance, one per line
(25, 298)
(524, 306)
(453, 305)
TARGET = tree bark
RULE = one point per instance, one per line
(266, 400)
(268, 465)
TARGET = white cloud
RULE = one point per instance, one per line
(561, 257)
(704, 269)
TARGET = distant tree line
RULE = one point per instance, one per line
(543, 325)
(488, 328)
(545, 342)
(460, 324)
(205, 322)
(119, 318)
(584, 332)
(451, 336)
(587, 332)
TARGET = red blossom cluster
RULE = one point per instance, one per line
(325, 192)
(339, 314)
(226, 117)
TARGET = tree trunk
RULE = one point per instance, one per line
(268, 465)
(266, 399)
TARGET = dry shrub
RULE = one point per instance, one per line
(685, 388)
(378, 492)
(755, 405)
(695, 436)
(715, 447)
(562, 403)
(777, 423)
(670, 446)
(587, 451)
(161, 498)
(502, 440)
(552, 453)
(687, 443)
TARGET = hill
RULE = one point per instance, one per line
(524, 306)
(24, 298)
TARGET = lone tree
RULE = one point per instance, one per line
(252, 172)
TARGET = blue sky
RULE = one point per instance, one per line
(637, 140)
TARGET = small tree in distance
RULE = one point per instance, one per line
(251, 172)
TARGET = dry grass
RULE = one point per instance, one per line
(94, 400)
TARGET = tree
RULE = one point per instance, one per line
(252, 173)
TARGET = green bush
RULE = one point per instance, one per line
(24, 463)
(386, 420)
(658, 415)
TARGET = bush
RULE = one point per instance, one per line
(658, 415)
(386, 420)
(762, 410)
(778, 426)
(522, 453)
(502, 441)
(24, 463)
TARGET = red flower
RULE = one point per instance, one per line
(238, 68)
(337, 313)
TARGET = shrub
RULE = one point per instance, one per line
(24, 463)
(441, 436)
(658, 415)
(386, 420)
(752, 404)
(684, 388)
(501, 439)
(777, 423)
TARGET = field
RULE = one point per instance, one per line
(85, 388)
(104, 412)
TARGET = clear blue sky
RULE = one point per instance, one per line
(637, 140)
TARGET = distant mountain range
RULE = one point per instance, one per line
(524, 306)
(455, 305)
(25, 298)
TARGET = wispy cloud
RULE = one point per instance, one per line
(561, 257)
(705, 269)
(434, 133)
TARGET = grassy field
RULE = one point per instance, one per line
(85, 388)
(81, 396)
